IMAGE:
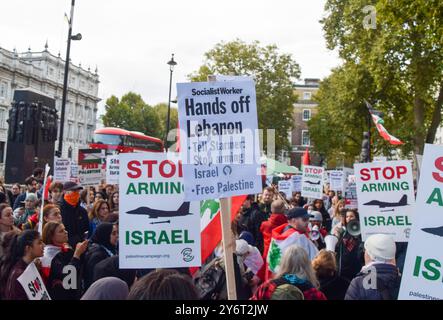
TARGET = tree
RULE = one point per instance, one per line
(337, 129)
(132, 113)
(274, 74)
(162, 112)
(402, 53)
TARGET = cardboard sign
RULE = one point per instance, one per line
(157, 227)
(423, 271)
(219, 139)
(285, 186)
(336, 180)
(32, 283)
(351, 201)
(386, 200)
(312, 182)
(90, 170)
(296, 182)
(62, 170)
(112, 169)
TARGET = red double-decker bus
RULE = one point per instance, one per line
(116, 140)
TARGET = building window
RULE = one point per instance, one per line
(3, 89)
(3, 123)
(80, 133)
(307, 95)
(50, 72)
(70, 133)
(306, 115)
(305, 141)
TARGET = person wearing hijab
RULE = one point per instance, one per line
(109, 288)
(103, 245)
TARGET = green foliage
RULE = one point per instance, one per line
(401, 60)
(132, 113)
(274, 74)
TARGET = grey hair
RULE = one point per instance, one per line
(295, 261)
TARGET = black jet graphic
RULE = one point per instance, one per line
(155, 213)
(381, 204)
(435, 231)
(310, 182)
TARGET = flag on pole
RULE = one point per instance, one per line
(381, 129)
(306, 161)
(46, 183)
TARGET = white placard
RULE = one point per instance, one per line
(285, 186)
(62, 170)
(112, 169)
(336, 180)
(386, 200)
(219, 139)
(423, 271)
(33, 284)
(312, 182)
(157, 228)
(296, 182)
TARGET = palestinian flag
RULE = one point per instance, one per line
(281, 240)
(381, 129)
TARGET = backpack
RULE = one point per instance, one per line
(211, 281)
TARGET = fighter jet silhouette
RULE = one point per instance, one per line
(381, 204)
(310, 182)
(435, 231)
(154, 213)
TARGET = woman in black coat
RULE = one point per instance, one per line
(104, 245)
(61, 265)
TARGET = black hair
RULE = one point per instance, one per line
(29, 180)
(14, 252)
(37, 172)
(164, 285)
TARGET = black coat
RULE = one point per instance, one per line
(350, 262)
(251, 220)
(387, 285)
(334, 287)
(20, 198)
(57, 276)
(95, 254)
(76, 222)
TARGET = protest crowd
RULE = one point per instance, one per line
(286, 248)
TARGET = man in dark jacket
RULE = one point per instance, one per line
(74, 217)
(31, 187)
(379, 278)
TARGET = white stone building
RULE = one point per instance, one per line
(44, 72)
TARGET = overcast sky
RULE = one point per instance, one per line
(130, 41)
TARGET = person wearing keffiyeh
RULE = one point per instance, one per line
(57, 255)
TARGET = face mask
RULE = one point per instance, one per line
(72, 198)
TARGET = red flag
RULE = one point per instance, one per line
(46, 190)
(177, 146)
(306, 159)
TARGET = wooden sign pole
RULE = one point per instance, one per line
(228, 247)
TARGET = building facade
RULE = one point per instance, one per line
(44, 72)
(304, 110)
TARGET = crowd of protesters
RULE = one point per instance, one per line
(80, 230)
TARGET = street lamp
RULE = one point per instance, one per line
(171, 64)
(76, 37)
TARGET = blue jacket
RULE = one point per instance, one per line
(387, 286)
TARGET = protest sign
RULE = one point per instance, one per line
(90, 170)
(219, 139)
(112, 169)
(312, 182)
(296, 182)
(285, 186)
(336, 180)
(62, 170)
(351, 201)
(423, 272)
(32, 283)
(158, 228)
(386, 201)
